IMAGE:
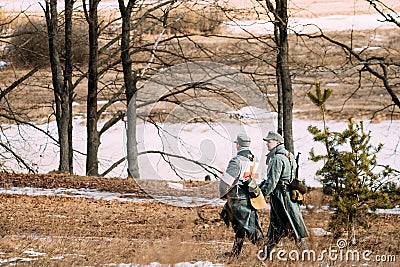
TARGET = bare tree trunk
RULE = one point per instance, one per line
(285, 94)
(279, 83)
(283, 66)
(129, 79)
(61, 95)
(68, 86)
(93, 137)
(131, 139)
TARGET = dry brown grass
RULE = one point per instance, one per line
(88, 232)
(82, 232)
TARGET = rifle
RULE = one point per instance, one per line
(297, 166)
(298, 187)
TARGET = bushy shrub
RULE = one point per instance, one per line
(30, 45)
(205, 20)
(181, 20)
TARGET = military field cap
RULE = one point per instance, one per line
(243, 140)
(274, 136)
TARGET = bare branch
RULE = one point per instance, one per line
(117, 117)
(17, 157)
(113, 166)
(16, 83)
(210, 169)
(388, 17)
(366, 62)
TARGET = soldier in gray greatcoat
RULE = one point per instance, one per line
(238, 210)
(285, 215)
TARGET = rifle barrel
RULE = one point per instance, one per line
(297, 165)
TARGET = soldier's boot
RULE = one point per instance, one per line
(268, 249)
(236, 249)
(302, 244)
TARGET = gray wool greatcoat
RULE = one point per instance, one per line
(285, 215)
(238, 209)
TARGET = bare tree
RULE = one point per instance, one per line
(93, 138)
(285, 94)
(62, 86)
(129, 78)
(68, 86)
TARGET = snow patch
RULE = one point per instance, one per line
(4, 63)
(310, 25)
(33, 253)
(320, 232)
(182, 201)
(394, 211)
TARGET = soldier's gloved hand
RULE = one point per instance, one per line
(247, 181)
(252, 184)
(256, 192)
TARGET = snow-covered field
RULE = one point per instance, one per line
(198, 141)
(311, 25)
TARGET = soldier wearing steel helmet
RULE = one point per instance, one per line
(285, 215)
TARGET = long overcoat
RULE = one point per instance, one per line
(238, 209)
(285, 215)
